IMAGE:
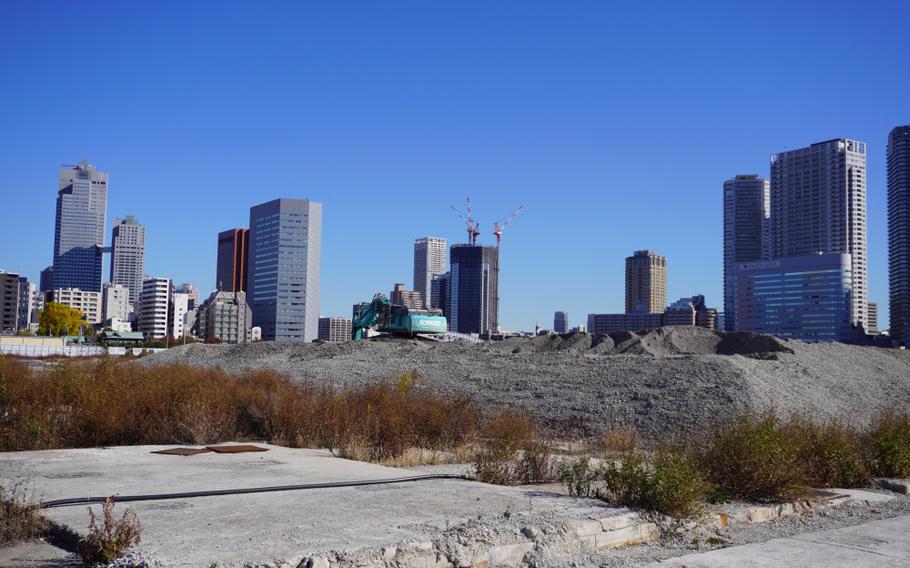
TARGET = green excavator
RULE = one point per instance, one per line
(395, 320)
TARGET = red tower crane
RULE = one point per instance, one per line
(499, 226)
(473, 227)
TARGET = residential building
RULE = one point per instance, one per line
(899, 234)
(608, 323)
(335, 329)
(9, 302)
(797, 297)
(429, 261)
(747, 224)
(154, 301)
(86, 301)
(691, 311)
(231, 267)
(561, 322)
(410, 299)
(128, 255)
(872, 327)
(646, 283)
(283, 273)
(27, 291)
(192, 294)
(473, 289)
(178, 307)
(115, 302)
(226, 316)
(46, 282)
(79, 227)
(818, 205)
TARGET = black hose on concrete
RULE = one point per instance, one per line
(215, 492)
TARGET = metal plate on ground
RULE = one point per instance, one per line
(236, 449)
(182, 451)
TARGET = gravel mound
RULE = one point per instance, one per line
(675, 380)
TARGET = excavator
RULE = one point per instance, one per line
(395, 320)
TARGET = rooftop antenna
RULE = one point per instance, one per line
(499, 226)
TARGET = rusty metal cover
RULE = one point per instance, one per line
(236, 449)
(182, 451)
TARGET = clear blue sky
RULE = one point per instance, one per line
(614, 124)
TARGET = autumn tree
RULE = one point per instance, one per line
(56, 319)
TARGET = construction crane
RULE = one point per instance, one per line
(499, 226)
(472, 226)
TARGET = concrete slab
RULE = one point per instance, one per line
(878, 544)
(268, 527)
(37, 554)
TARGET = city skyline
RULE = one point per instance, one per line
(426, 140)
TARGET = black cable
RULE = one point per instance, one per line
(215, 492)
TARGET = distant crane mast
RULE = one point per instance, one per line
(499, 226)
(472, 226)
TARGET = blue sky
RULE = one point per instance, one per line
(613, 124)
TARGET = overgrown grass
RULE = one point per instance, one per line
(888, 444)
(105, 403)
(511, 452)
(19, 518)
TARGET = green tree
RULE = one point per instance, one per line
(56, 319)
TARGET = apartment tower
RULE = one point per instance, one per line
(561, 322)
(818, 204)
(429, 261)
(230, 272)
(747, 237)
(128, 255)
(79, 227)
(899, 234)
(154, 307)
(283, 274)
(646, 283)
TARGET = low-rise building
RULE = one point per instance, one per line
(179, 306)
(225, 316)
(408, 298)
(691, 311)
(89, 303)
(872, 318)
(115, 302)
(335, 329)
(607, 323)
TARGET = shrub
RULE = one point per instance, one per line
(756, 459)
(888, 444)
(578, 476)
(106, 542)
(669, 481)
(831, 454)
(509, 451)
(19, 518)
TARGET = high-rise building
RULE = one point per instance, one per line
(115, 302)
(128, 255)
(231, 268)
(796, 297)
(429, 261)
(899, 234)
(154, 300)
(79, 227)
(178, 307)
(747, 224)
(335, 329)
(46, 282)
(818, 205)
(410, 299)
(285, 240)
(561, 322)
(9, 302)
(646, 283)
(439, 293)
(226, 316)
(473, 289)
(86, 301)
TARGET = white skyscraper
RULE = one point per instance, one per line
(818, 205)
(154, 307)
(429, 260)
(128, 255)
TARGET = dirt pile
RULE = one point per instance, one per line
(669, 380)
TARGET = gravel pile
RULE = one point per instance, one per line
(670, 380)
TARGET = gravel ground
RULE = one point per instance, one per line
(676, 380)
